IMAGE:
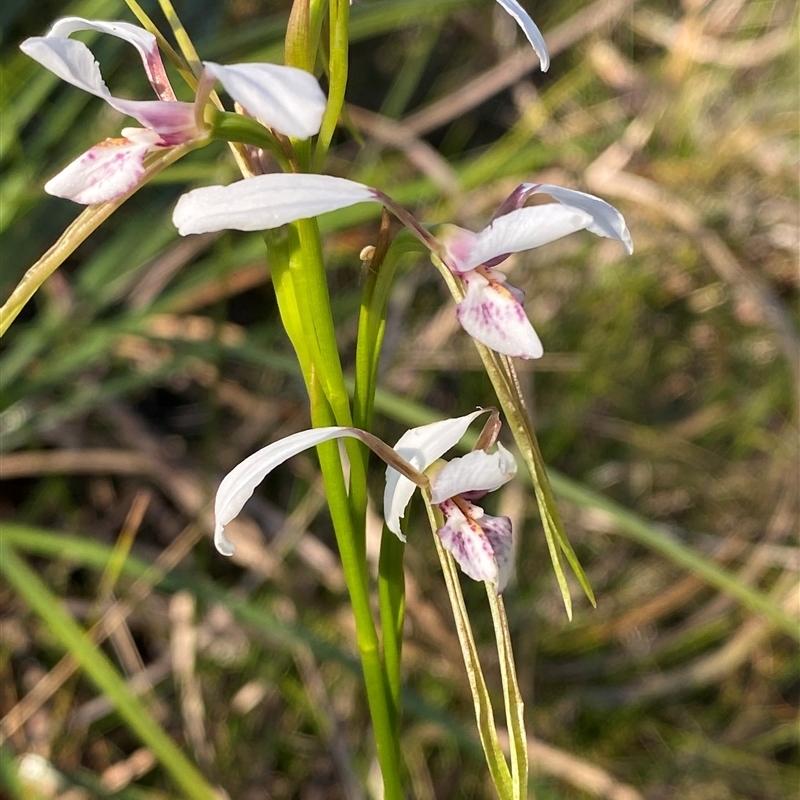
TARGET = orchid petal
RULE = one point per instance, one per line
(606, 220)
(174, 120)
(519, 230)
(239, 484)
(106, 171)
(464, 538)
(476, 471)
(420, 447)
(74, 63)
(284, 98)
(498, 531)
(533, 34)
(265, 201)
(70, 60)
(144, 41)
(492, 315)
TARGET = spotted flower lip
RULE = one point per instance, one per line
(480, 543)
(284, 98)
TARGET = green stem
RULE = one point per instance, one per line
(383, 720)
(102, 673)
(310, 281)
(337, 76)
(371, 324)
(484, 715)
(392, 605)
(515, 719)
(303, 301)
(88, 221)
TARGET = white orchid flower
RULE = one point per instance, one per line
(491, 312)
(286, 99)
(480, 543)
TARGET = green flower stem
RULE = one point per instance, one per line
(392, 606)
(515, 719)
(182, 37)
(88, 221)
(63, 627)
(317, 15)
(302, 293)
(383, 719)
(277, 242)
(337, 76)
(484, 716)
(310, 281)
(372, 322)
(381, 270)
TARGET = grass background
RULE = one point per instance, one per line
(666, 405)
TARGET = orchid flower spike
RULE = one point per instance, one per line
(491, 310)
(480, 543)
(284, 98)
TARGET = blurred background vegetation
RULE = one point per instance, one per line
(666, 405)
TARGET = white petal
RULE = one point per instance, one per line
(420, 447)
(142, 40)
(498, 532)
(175, 121)
(107, 171)
(519, 230)
(476, 471)
(606, 220)
(284, 98)
(470, 547)
(74, 63)
(533, 34)
(266, 201)
(492, 315)
(70, 60)
(239, 484)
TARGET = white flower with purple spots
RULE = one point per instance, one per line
(286, 99)
(480, 543)
(491, 311)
